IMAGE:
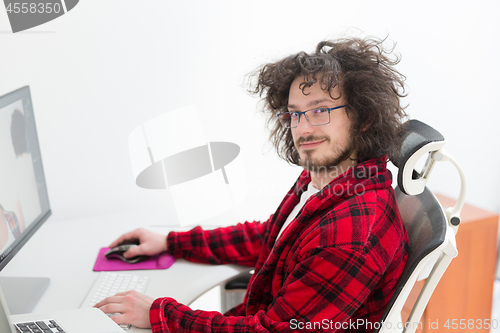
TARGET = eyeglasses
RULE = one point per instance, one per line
(315, 117)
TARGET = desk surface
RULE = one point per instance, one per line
(65, 251)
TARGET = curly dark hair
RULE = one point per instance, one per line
(363, 71)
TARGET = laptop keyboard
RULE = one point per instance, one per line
(42, 326)
(110, 283)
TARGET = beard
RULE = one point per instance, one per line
(324, 164)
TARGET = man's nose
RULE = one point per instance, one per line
(304, 127)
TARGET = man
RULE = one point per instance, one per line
(329, 258)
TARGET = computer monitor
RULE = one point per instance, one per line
(24, 202)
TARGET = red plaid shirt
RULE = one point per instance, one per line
(334, 268)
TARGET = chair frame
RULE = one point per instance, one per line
(434, 264)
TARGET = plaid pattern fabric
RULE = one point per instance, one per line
(334, 268)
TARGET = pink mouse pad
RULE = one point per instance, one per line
(161, 261)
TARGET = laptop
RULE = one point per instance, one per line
(69, 321)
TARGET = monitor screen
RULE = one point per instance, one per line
(24, 203)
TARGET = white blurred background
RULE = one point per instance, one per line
(107, 66)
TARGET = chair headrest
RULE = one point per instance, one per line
(418, 140)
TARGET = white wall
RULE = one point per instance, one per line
(101, 70)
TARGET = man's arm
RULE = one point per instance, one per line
(240, 244)
(329, 284)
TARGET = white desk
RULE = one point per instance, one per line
(65, 251)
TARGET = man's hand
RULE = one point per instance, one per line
(150, 243)
(133, 308)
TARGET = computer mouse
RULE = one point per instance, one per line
(118, 251)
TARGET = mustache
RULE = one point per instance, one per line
(311, 138)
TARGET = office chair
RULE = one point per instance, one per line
(431, 229)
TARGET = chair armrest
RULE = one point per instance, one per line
(239, 282)
(233, 290)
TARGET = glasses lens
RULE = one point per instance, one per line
(318, 117)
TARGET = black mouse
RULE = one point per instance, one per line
(118, 251)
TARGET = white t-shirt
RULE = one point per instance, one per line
(311, 190)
